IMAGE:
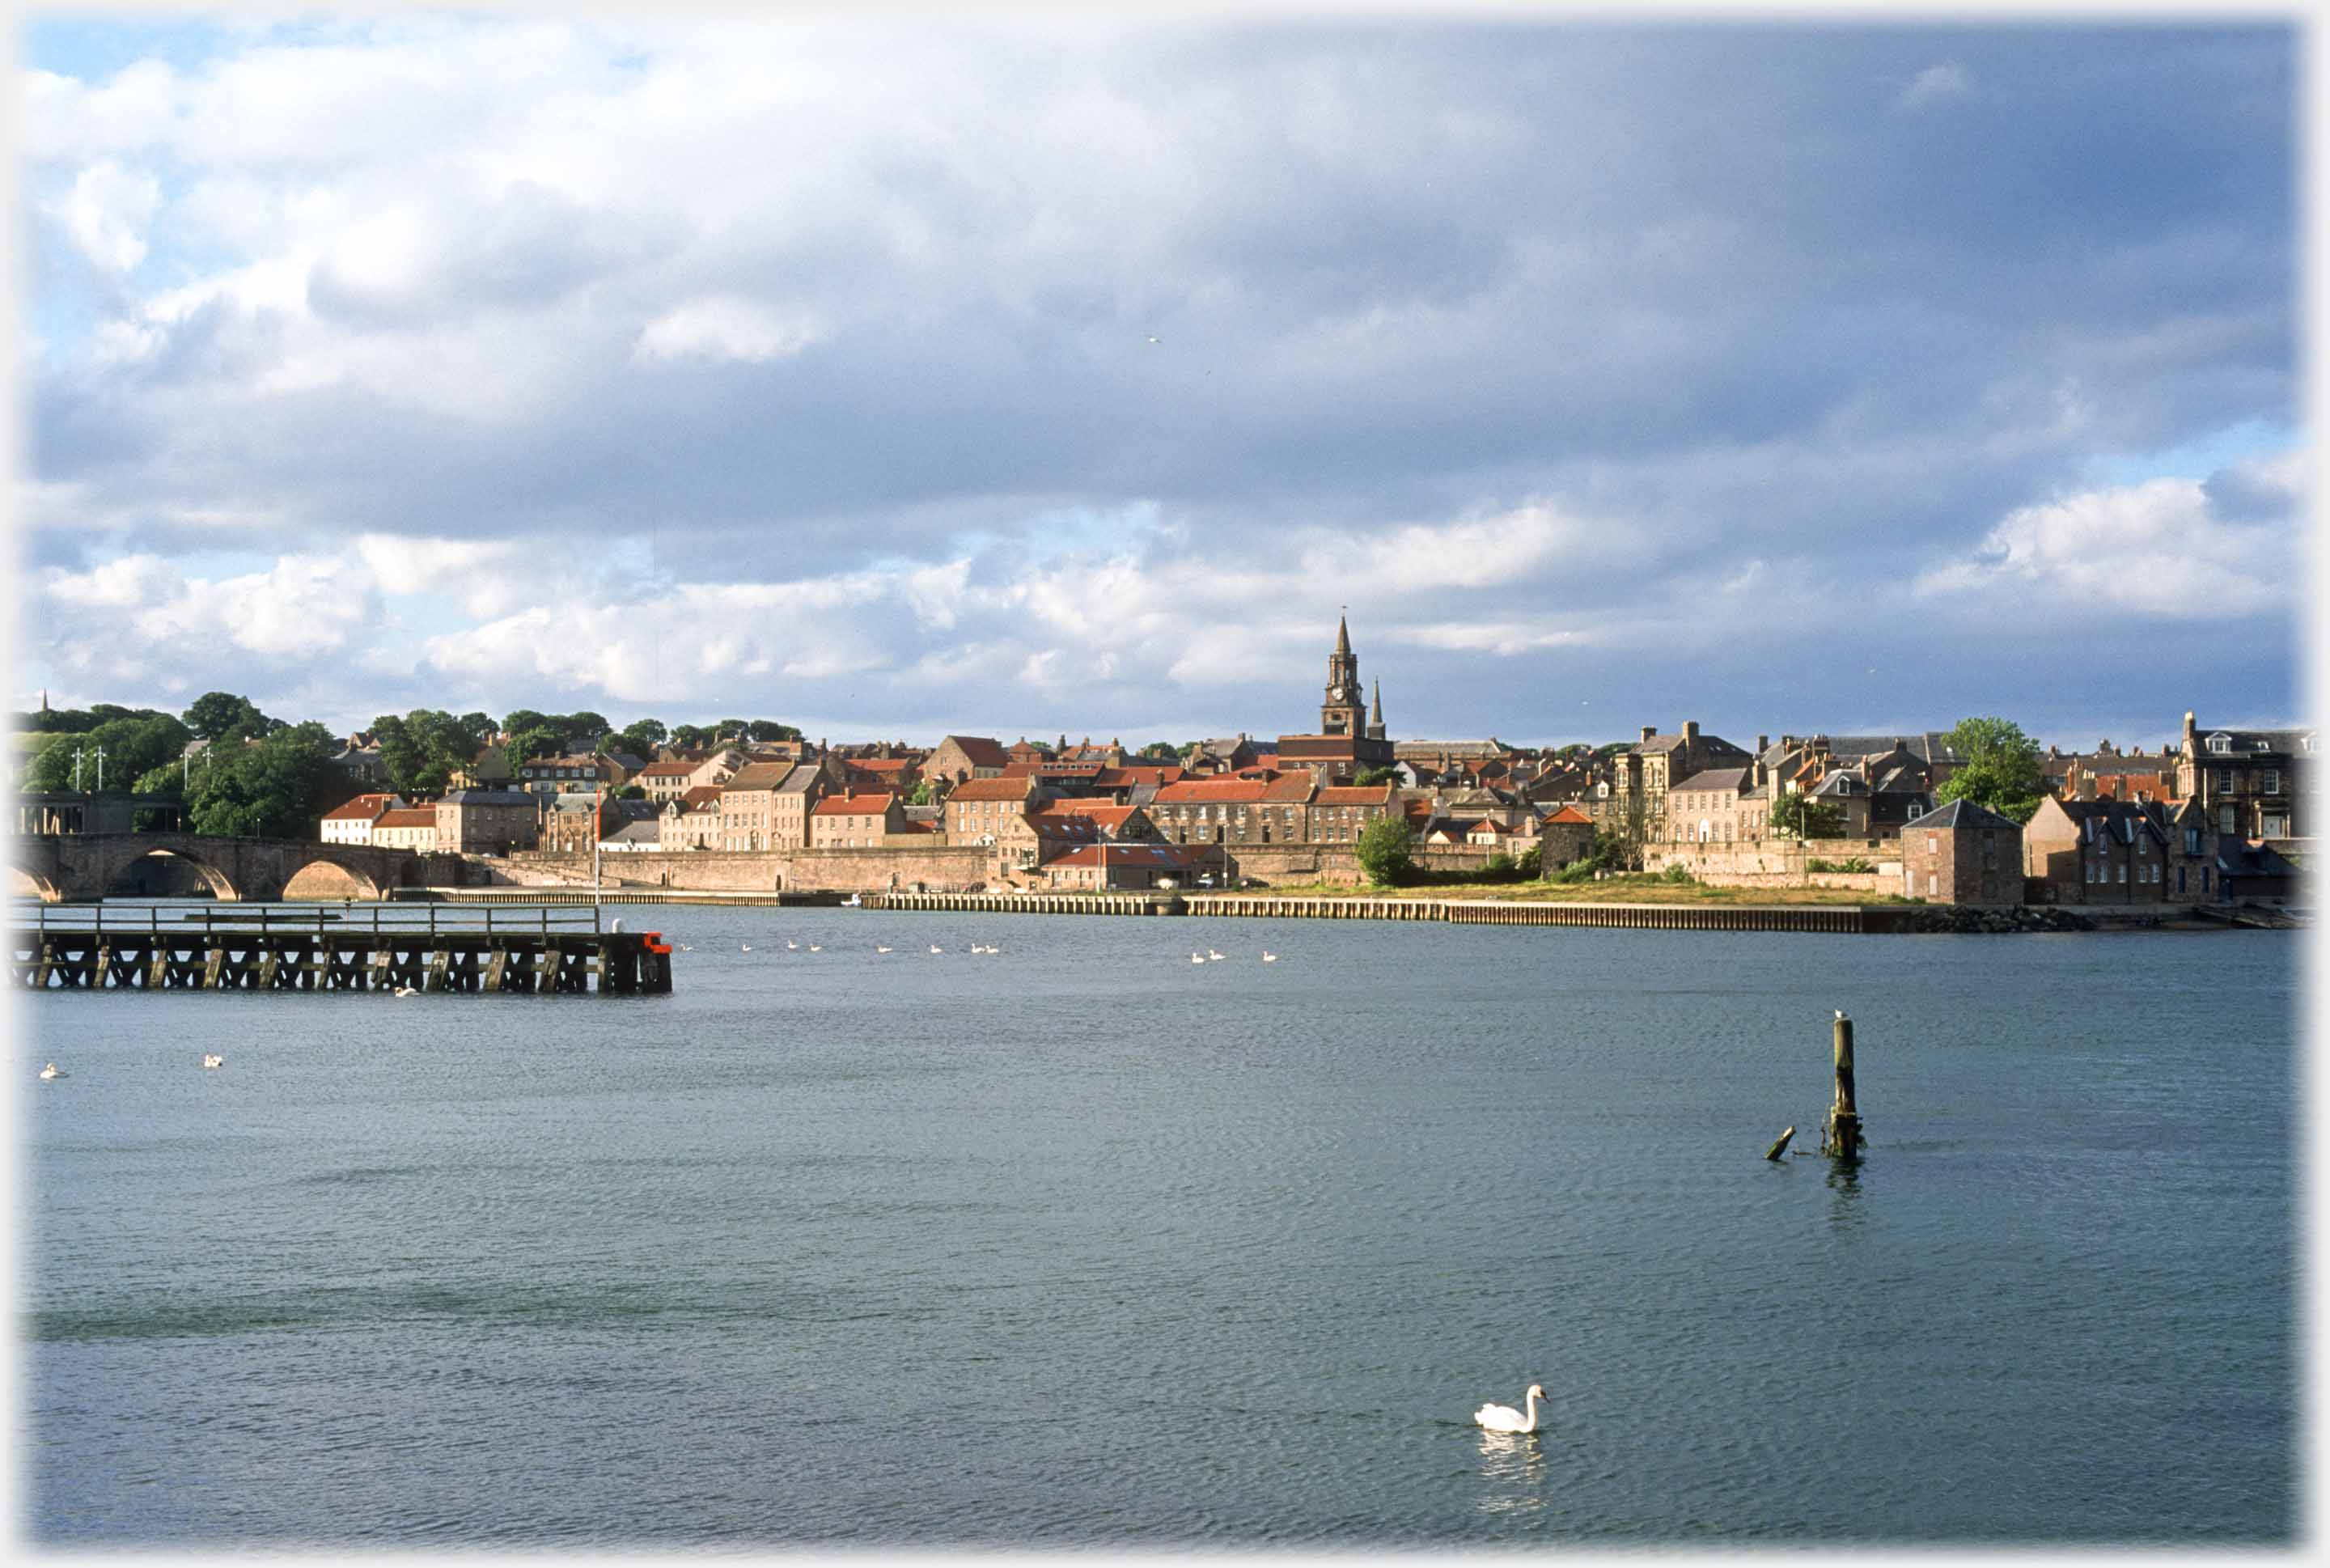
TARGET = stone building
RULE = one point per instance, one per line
(980, 807)
(489, 822)
(1963, 854)
(1234, 810)
(406, 828)
(2098, 852)
(2254, 783)
(961, 757)
(1349, 742)
(791, 803)
(351, 823)
(748, 808)
(861, 822)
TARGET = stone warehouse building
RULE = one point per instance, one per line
(2253, 783)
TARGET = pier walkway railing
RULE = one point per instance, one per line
(400, 950)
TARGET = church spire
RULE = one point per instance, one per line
(1375, 714)
(1342, 638)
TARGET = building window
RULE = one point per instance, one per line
(2272, 783)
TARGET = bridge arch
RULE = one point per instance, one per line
(327, 878)
(24, 883)
(111, 871)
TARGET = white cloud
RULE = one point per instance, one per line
(2156, 549)
(107, 212)
(723, 327)
(1935, 84)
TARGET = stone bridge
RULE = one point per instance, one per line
(53, 866)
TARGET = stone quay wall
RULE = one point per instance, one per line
(1782, 863)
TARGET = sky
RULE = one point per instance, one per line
(1040, 375)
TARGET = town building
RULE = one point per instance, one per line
(406, 828)
(1350, 741)
(2254, 783)
(959, 757)
(489, 822)
(351, 823)
(748, 805)
(861, 822)
(2102, 851)
(1960, 853)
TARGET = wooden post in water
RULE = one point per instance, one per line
(1842, 1134)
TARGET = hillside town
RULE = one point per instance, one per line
(2220, 816)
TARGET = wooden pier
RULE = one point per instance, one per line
(88, 948)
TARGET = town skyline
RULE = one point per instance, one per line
(1077, 373)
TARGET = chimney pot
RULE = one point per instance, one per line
(1648, 732)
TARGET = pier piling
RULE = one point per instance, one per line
(1841, 1136)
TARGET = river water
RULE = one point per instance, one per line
(1083, 1243)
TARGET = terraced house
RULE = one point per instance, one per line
(2253, 783)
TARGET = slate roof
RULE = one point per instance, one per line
(1965, 813)
(1713, 779)
(759, 775)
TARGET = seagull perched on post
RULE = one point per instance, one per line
(1840, 1015)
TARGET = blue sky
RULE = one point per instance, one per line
(1026, 375)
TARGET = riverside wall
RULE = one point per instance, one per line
(1785, 863)
(947, 868)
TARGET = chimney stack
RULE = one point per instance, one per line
(1647, 733)
(1690, 731)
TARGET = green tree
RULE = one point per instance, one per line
(480, 728)
(1532, 861)
(1795, 815)
(1998, 768)
(770, 729)
(1376, 776)
(133, 746)
(643, 735)
(922, 795)
(518, 719)
(422, 750)
(542, 740)
(686, 734)
(215, 716)
(1383, 849)
(585, 725)
(1164, 751)
(272, 790)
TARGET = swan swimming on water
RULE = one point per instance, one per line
(1197, 958)
(408, 991)
(1504, 1417)
(1270, 958)
(879, 949)
(50, 1071)
(213, 1061)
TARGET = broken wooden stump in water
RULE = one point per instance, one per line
(1842, 1134)
(1774, 1152)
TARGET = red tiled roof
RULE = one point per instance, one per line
(363, 808)
(1011, 787)
(979, 751)
(1570, 814)
(702, 795)
(1354, 795)
(409, 817)
(880, 764)
(1235, 790)
(872, 805)
(668, 770)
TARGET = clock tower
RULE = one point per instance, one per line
(1345, 710)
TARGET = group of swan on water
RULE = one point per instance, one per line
(51, 1072)
(1210, 956)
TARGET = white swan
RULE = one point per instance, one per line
(881, 950)
(791, 945)
(1197, 958)
(1214, 955)
(1504, 1417)
(50, 1071)
(1270, 958)
(815, 947)
(408, 991)
(934, 947)
(213, 1061)
(744, 946)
